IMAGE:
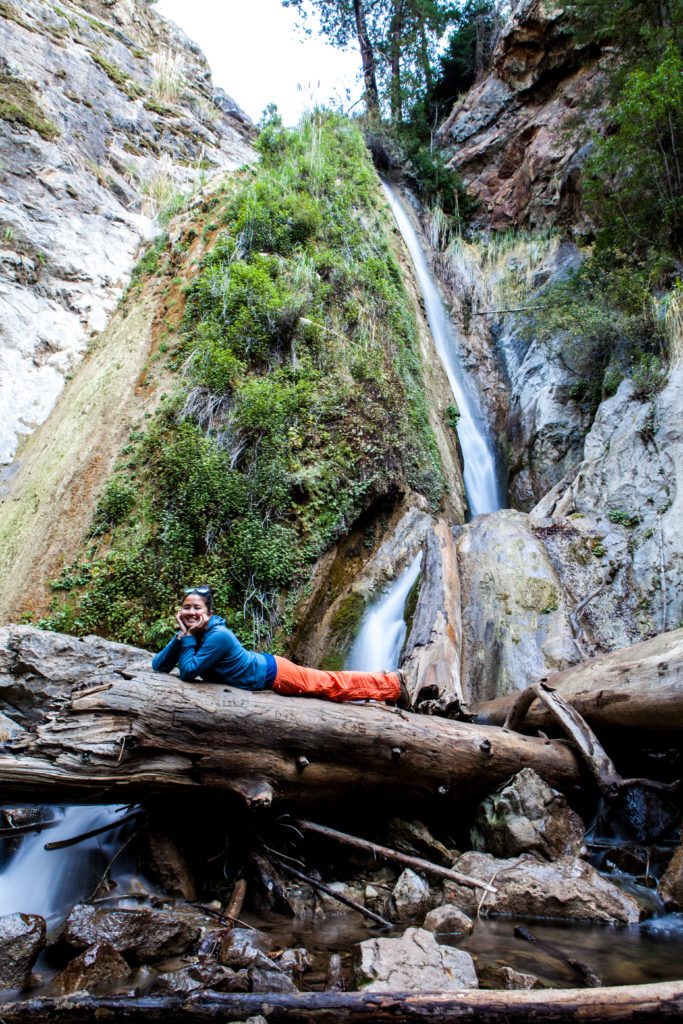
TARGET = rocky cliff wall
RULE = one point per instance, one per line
(108, 117)
(518, 137)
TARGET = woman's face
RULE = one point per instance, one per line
(192, 610)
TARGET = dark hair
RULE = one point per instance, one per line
(204, 591)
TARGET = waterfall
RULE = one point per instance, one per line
(480, 472)
(382, 632)
(50, 882)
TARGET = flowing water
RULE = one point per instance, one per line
(49, 882)
(481, 476)
(383, 629)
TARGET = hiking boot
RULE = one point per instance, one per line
(403, 700)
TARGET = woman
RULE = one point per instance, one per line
(204, 647)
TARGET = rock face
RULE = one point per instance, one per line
(506, 135)
(413, 963)
(515, 615)
(567, 888)
(22, 937)
(111, 117)
(142, 935)
(527, 816)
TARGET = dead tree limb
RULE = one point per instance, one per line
(388, 854)
(333, 894)
(622, 1004)
(639, 687)
(128, 733)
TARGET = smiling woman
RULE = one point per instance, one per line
(204, 648)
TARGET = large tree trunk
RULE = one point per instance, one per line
(396, 38)
(128, 732)
(639, 687)
(617, 1005)
(368, 60)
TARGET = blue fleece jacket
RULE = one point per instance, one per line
(216, 656)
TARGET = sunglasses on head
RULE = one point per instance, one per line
(202, 591)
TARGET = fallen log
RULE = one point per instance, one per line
(617, 1005)
(128, 733)
(639, 687)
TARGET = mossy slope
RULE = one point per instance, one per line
(297, 403)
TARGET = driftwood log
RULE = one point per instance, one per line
(639, 687)
(96, 725)
(617, 1005)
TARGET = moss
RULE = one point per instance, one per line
(120, 79)
(343, 628)
(19, 105)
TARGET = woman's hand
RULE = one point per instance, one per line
(199, 626)
(179, 619)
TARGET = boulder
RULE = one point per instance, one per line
(22, 937)
(415, 962)
(93, 970)
(196, 977)
(243, 947)
(411, 895)
(168, 866)
(270, 979)
(141, 935)
(527, 816)
(671, 884)
(448, 918)
(566, 888)
(352, 890)
(501, 976)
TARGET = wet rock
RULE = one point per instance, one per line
(303, 900)
(200, 976)
(351, 890)
(516, 625)
(525, 816)
(415, 962)
(501, 976)
(270, 979)
(565, 888)
(448, 919)
(22, 937)
(411, 895)
(295, 961)
(141, 935)
(671, 885)
(96, 969)
(415, 839)
(168, 866)
(243, 947)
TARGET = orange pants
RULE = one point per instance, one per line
(297, 681)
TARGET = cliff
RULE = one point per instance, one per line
(108, 121)
(519, 136)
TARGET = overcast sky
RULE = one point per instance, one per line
(258, 56)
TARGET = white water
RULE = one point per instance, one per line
(50, 882)
(480, 476)
(383, 629)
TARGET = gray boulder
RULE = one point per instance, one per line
(527, 816)
(411, 895)
(141, 935)
(415, 962)
(22, 937)
(449, 919)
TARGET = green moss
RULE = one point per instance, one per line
(298, 402)
(19, 105)
(343, 628)
(120, 79)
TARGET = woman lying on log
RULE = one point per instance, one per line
(205, 648)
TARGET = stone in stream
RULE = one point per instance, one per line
(448, 919)
(168, 866)
(526, 816)
(502, 976)
(141, 935)
(242, 947)
(671, 885)
(22, 937)
(527, 887)
(199, 976)
(92, 971)
(411, 895)
(415, 962)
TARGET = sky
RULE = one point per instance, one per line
(258, 56)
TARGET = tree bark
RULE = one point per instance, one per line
(639, 687)
(396, 34)
(368, 60)
(131, 732)
(616, 1005)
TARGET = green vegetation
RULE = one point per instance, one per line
(298, 402)
(120, 79)
(623, 518)
(18, 104)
